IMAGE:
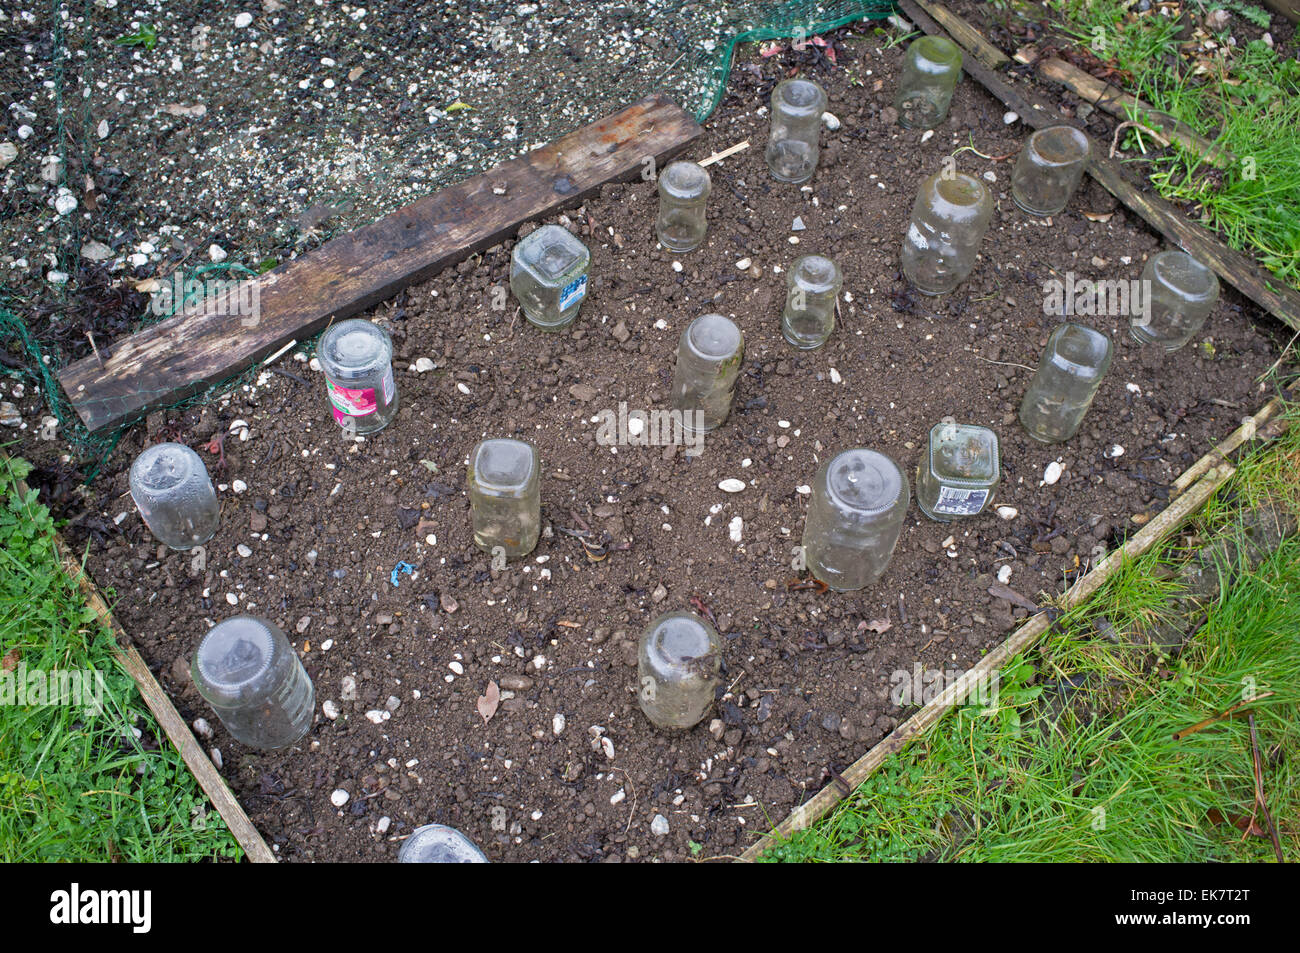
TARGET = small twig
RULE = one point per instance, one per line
(1259, 791)
(730, 151)
(1229, 712)
(1114, 142)
(1004, 363)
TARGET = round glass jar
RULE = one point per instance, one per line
(1048, 169)
(683, 201)
(859, 502)
(1069, 374)
(505, 497)
(357, 358)
(679, 664)
(438, 844)
(1181, 294)
(793, 142)
(959, 471)
(708, 362)
(174, 494)
(931, 68)
(949, 219)
(812, 287)
(253, 679)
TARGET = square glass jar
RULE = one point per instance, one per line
(548, 274)
(959, 471)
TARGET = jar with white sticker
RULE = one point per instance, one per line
(959, 471)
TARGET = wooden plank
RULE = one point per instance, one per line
(182, 355)
(1123, 106)
(966, 35)
(178, 732)
(1239, 270)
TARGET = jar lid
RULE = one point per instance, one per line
(438, 844)
(354, 349)
(864, 480)
(164, 466)
(685, 181)
(232, 660)
(550, 252)
(503, 465)
(677, 639)
(714, 337)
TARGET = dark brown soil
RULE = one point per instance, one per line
(807, 681)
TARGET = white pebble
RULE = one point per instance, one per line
(232, 598)
(456, 667)
(735, 529)
(830, 121)
(330, 708)
(743, 264)
(349, 689)
(1115, 451)
(423, 365)
(202, 728)
(927, 135)
(1009, 117)
(804, 490)
(557, 724)
(730, 485)
(617, 796)
(243, 20)
(659, 826)
(1008, 512)
(1052, 473)
(239, 486)
(836, 378)
(339, 797)
(1004, 575)
(243, 550)
(378, 717)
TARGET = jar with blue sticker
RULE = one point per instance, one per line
(549, 275)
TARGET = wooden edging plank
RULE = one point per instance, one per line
(966, 35)
(177, 731)
(1238, 269)
(1213, 470)
(180, 356)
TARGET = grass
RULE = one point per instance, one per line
(1032, 778)
(77, 783)
(1247, 98)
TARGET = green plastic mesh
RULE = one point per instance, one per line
(514, 76)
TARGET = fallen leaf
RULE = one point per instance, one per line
(457, 106)
(569, 625)
(489, 701)
(449, 603)
(10, 660)
(770, 49)
(354, 74)
(1239, 821)
(878, 626)
(1098, 216)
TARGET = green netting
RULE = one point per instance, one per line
(594, 58)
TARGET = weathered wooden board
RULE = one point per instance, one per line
(1261, 286)
(182, 355)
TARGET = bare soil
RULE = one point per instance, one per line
(808, 675)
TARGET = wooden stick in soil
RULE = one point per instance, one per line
(1239, 270)
(212, 783)
(1249, 430)
(967, 35)
(1260, 802)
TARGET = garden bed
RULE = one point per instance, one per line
(324, 522)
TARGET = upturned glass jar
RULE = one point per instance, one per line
(255, 682)
(959, 471)
(1048, 169)
(548, 274)
(438, 844)
(683, 200)
(812, 288)
(931, 68)
(174, 494)
(793, 143)
(859, 502)
(1069, 373)
(949, 219)
(505, 496)
(1180, 294)
(357, 358)
(708, 363)
(679, 665)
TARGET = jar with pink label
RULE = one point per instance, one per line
(357, 358)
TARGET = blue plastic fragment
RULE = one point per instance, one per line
(400, 568)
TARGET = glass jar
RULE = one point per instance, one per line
(548, 274)
(949, 219)
(505, 496)
(859, 502)
(438, 844)
(708, 363)
(931, 68)
(683, 198)
(959, 471)
(1048, 169)
(1069, 374)
(255, 682)
(175, 496)
(1180, 294)
(357, 358)
(812, 288)
(679, 666)
(793, 143)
